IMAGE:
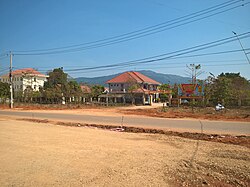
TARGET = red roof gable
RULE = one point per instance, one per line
(132, 76)
(85, 89)
(29, 71)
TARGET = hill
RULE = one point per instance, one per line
(160, 77)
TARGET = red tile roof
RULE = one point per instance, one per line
(85, 89)
(132, 76)
(29, 71)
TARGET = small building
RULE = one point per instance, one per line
(23, 78)
(132, 87)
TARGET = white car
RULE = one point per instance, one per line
(219, 107)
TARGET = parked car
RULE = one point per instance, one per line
(219, 107)
(184, 101)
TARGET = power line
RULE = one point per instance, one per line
(241, 46)
(4, 70)
(128, 65)
(203, 65)
(3, 55)
(124, 65)
(173, 67)
(95, 69)
(44, 69)
(171, 54)
(140, 33)
(180, 57)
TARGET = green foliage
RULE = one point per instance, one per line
(58, 85)
(175, 91)
(164, 87)
(164, 97)
(56, 89)
(227, 88)
(72, 88)
(133, 87)
(97, 90)
(56, 77)
(4, 90)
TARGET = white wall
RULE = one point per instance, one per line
(21, 83)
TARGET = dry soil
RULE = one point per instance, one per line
(42, 154)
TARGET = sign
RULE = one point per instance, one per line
(189, 90)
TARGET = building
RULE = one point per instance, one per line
(132, 87)
(23, 78)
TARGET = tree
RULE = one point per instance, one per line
(239, 86)
(175, 91)
(4, 90)
(56, 77)
(57, 87)
(222, 91)
(28, 93)
(227, 88)
(164, 87)
(132, 88)
(96, 90)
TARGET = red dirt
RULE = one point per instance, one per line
(204, 113)
(227, 139)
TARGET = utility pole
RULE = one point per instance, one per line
(241, 46)
(194, 71)
(11, 82)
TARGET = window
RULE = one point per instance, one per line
(21, 78)
(34, 87)
(34, 79)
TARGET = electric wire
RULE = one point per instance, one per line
(172, 54)
(134, 36)
(174, 67)
(125, 66)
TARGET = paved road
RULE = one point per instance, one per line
(188, 125)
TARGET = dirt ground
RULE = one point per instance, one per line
(208, 113)
(43, 154)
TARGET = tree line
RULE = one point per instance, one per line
(56, 89)
(230, 89)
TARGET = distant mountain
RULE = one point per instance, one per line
(160, 77)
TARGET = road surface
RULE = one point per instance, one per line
(187, 125)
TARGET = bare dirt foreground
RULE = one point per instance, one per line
(42, 154)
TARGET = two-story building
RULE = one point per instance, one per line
(23, 78)
(130, 86)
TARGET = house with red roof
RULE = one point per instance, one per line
(133, 85)
(23, 78)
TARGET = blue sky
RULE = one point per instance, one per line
(33, 24)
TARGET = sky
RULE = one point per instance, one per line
(30, 25)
